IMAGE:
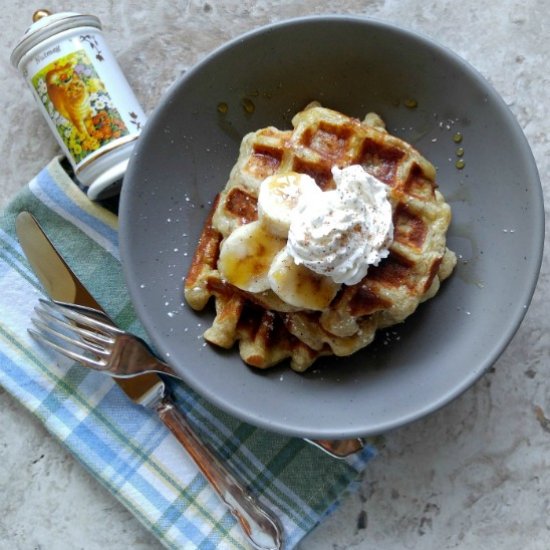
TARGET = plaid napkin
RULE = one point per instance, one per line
(123, 445)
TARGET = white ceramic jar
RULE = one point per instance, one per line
(84, 96)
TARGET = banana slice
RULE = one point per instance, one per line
(246, 255)
(278, 196)
(298, 286)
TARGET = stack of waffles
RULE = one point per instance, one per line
(268, 330)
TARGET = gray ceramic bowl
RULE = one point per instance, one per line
(354, 65)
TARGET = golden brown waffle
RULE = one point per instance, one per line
(267, 329)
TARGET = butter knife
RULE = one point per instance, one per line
(258, 523)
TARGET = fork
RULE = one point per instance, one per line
(115, 352)
(97, 344)
(101, 345)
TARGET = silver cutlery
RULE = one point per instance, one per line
(260, 526)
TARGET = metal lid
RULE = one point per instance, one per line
(46, 25)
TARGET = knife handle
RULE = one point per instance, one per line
(258, 523)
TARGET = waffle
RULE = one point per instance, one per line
(267, 329)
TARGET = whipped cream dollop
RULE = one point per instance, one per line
(341, 232)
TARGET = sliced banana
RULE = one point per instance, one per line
(279, 195)
(246, 256)
(298, 286)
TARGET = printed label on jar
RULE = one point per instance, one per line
(79, 104)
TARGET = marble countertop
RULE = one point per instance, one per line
(473, 475)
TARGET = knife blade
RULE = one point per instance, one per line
(258, 523)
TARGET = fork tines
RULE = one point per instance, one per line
(71, 330)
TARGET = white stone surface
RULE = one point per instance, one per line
(473, 476)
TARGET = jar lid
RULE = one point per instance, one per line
(46, 25)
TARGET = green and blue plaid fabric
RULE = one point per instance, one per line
(123, 445)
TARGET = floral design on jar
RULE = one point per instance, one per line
(79, 105)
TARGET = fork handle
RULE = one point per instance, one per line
(258, 523)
